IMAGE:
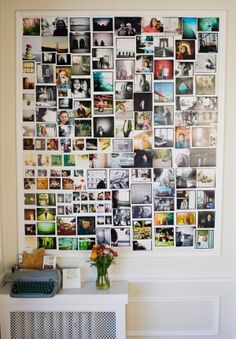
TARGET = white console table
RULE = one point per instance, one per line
(84, 313)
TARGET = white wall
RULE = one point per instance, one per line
(174, 296)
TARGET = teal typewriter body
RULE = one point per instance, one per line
(35, 283)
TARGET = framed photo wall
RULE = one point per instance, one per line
(120, 131)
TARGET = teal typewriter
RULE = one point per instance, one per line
(35, 283)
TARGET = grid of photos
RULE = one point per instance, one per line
(119, 131)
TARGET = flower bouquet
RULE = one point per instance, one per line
(102, 257)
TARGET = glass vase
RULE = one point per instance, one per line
(102, 281)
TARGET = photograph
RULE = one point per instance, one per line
(119, 178)
(164, 47)
(152, 25)
(125, 48)
(142, 212)
(163, 92)
(80, 88)
(31, 26)
(208, 42)
(164, 236)
(66, 226)
(186, 178)
(184, 236)
(201, 137)
(141, 193)
(206, 177)
(142, 229)
(143, 83)
(186, 118)
(143, 102)
(122, 145)
(185, 200)
(120, 236)
(80, 65)
(86, 225)
(121, 160)
(31, 48)
(103, 235)
(55, 43)
(184, 86)
(120, 199)
(68, 244)
(162, 158)
(142, 245)
(124, 69)
(45, 228)
(163, 204)
(124, 90)
(143, 140)
(163, 69)
(96, 179)
(45, 74)
(103, 39)
(163, 189)
(205, 84)
(185, 218)
(204, 239)
(103, 104)
(102, 58)
(185, 49)
(164, 218)
(79, 42)
(189, 28)
(103, 81)
(30, 229)
(103, 127)
(46, 96)
(163, 115)
(163, 137)
(202, 157)
(29, 199)
(140, 175)
(49, 243)
(206, 24)
(206, 219)
(143, 158)
(144, 64)
(182, 137)
(183, 69)
(206, 199)
(143, 120)
(102, 24)
(83, 128)
(46, 214)
(127, 26)
(145, 44)
(54, 26)
(173, 25)
(80, 24)
(205, 63)
(121, 217)
(82, 109)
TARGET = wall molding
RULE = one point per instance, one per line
(212, 331)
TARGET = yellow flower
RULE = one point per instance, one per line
(93, 255)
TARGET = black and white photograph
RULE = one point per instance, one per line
(140, 175)
(143, 83)
(185, 199)
(186, 178)
(103, 235)
(80, 24)
(120, 198)
(164, 46)
(119, 178)
(120, 236)
(143, 102)
(121, 160)
(205, 63)
(124, 90)
(122, 145)
(46, 96)
(54, 26)
(121, 217)
(79, 42)
(141, 193)
(202, 157)
(103, 127)
(102, 58)
(163, 204)
(96, 179)
(184, 236)
(125, 48)
(103, 39)
(142, 212)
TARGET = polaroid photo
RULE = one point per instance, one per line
(120, 198)
(79, 42)
(163, 204)
(103, 39)
(162, 158)
(80, 24)
(164, 46)
(208, 42)
(141, 175)
(125, 48)
(185, 200)
(119, 178)
(206, 177)
(96, 179)
(163, 69)
(186, 178)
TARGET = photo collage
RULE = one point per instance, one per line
(119, 136)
